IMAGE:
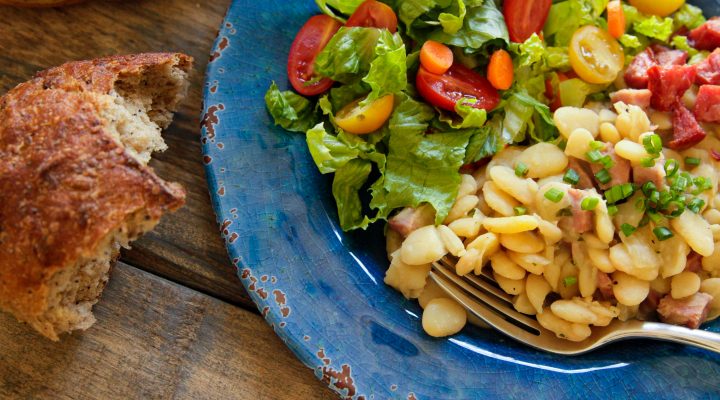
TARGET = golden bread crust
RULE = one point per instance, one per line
(65, 183)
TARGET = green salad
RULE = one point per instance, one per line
(395, 98)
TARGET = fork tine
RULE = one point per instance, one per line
(484, 313)
(491, 302)
(480, 282)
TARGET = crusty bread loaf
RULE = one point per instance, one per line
(74, 185)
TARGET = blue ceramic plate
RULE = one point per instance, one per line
(322, 290)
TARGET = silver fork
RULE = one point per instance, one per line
(483, 299)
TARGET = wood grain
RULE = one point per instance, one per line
(186, 247)
(155, 340)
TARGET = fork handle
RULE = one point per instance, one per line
(679, 334)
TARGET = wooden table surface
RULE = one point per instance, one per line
(174, 321)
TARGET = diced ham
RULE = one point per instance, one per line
(668, 84)
(638, 97)
(708, 70)
(619, 172)
(410, 219)
(707, 104)
(582, 221)
(654, 174)
(694, 262)
(583, 170)
(666, 57)
(706, 36)
(649, 306)
(636, 73)
(687, 132)
(605, 286)
(690, 311)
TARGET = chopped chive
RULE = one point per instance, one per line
(655, 217)
(662, 233)
(612, 210)
(589, 203)
(647, 162)
(619, 192)
(521, 169)
(571, 177)
(554, 195)
(654, 197)
(653, 144)
(679, 208)
(594, 155)
(679, 183)
(693, 161)
(696, 205)
(603, 176)
(569, 281)
(647, 188)
(702, 184)
(641, 204)
(671, 168)
(607, 162)
(596, 145)
(664, 200)
(520, 210)
(643, 221)
(627, 229)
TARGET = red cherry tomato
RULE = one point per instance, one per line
(374, 14)
(458, 82)
(308, 43)
(525, 17)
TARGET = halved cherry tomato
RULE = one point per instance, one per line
(525, 17)
(458, 82)
(661, 8)
(374, 14)
(595, 55)
(308, 43)
(360, 120)
(436, 57)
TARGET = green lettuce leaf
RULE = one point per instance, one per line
(348, 55)
(469, 116)
(654, 27)
(327, 150)
(681, 43)
(348, 181)
(290, 110)
(388, 71)
(688, 16)
(422, 169)
(484, 142)
(524, 115)
(483, 26)
(346, 7)
(574, 92)
(567, 16)
(343, 95)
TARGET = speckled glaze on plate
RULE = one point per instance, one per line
(322, 290)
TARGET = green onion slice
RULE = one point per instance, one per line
(589, 203)
(662, 233)
(571, 177)
(554, 195)
(521, 169)
(627, 229)
(671, 168)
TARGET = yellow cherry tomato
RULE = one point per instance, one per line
(661, 8)
(595, 55)
(360, 120)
